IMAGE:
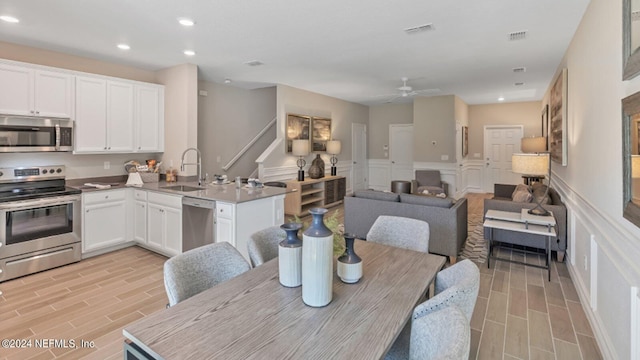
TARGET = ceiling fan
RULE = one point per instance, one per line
(407, 91)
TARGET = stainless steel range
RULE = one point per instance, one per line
(40, 216)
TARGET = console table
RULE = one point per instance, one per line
(525, 223)
(304, 195)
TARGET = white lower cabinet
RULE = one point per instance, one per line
(140, 217)
(164, 223)
(104, 219)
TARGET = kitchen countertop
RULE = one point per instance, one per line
(223, 193)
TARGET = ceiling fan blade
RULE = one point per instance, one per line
(394, 98)
(425, 91)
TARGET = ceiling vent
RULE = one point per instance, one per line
(520, 69)
(254, 63)
(518, 35)
(421, 28)
(518, 84)
(635, 15)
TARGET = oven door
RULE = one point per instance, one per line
(34, 225)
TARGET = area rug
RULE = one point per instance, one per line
(475, 248)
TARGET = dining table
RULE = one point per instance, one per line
(253, 316)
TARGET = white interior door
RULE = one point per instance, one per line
(358, 156)
(500, 142)
(401, 151)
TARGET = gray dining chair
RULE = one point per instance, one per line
(197, 270)
(458, 286)
(406, 233)
(443, 334)
(263, 245)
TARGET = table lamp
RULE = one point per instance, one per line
(300, 148)
(333, 149)
(537, 165)
(534, 144)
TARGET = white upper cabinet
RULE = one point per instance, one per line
(149, 118)
(91, 115)
(26, 91)
(119, 116)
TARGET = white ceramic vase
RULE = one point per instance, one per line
(317, 262)
(290, 256)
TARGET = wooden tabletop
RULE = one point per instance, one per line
(254, 317)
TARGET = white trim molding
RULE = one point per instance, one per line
(379, 174)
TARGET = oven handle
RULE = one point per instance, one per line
(27, 204)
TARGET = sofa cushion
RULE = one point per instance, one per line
(426, 200)
(377, 195)
(539, 195)
(522, 194)
(430, 190)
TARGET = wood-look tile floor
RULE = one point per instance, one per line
(519, 315)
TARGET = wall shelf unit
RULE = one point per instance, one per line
(304, 195)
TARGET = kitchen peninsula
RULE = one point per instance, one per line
(153, 215)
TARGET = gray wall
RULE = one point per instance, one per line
(228, 118)
(434, 120)
(380, 117)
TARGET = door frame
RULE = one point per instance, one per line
(365, 171)
(485, 172)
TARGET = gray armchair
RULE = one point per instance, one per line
(263, 245)
(429, 180)
(197, 270)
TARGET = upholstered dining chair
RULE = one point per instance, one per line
(430, 181)
(406, 233)
(458, 286)
(263, 245)
(443, 334)
(197, 270)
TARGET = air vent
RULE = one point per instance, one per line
(421, 28)
(254, 63)
(520, 69)
(518, 35)
(635, 15)
(518, 84)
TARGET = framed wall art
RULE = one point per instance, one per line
(465, 141)
(321, 134)
(297, 129)
(558, 119)
(545, 125)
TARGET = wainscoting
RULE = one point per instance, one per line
(603, 263)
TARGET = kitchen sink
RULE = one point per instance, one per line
(182, 188)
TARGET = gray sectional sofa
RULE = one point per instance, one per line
(502, 200)
(447, 218)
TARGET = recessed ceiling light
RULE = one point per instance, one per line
(189, 52)
(227, 81)
(518, 84)
(9, 19)
(186, 22)
(124, 47)
(501, 98)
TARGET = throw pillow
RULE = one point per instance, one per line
(522, 194)
(431, 190)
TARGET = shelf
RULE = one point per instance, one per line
(311, 200)
(304, 195)
(310, 191)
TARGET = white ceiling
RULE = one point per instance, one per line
(354, 50)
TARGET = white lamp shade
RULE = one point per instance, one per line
(530, 164)
(334, 147)
(300, 147)
(635, 166)
(534, 144)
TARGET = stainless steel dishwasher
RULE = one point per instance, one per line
(198, 227)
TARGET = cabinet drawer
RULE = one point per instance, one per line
(104, 196)
(173, 201)
(224, 210)
(140, 195)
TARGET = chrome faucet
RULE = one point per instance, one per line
(198, 162)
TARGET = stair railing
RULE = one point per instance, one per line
(246, 147)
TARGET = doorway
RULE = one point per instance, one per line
(358, 156)
(500, 142)
(401, 151)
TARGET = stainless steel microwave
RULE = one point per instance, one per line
(31, 134)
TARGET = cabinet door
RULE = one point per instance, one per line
(173, 231)
(104, 225)
(53, 94)
(155, 226)
(224, 230)
(140, 222)
(119, 116)
(149, 119)
(16, 89)
(91, 115)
